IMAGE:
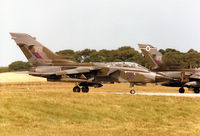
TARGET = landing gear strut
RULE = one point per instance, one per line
(181, 90)
(132, 91)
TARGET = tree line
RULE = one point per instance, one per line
(125, 53)
(190, 59)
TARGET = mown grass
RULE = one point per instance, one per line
(51, 109)
(11, 77)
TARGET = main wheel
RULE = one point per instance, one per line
(85, 89)
(76, 89)
(132, 91)
(196, 90)
(181, 90)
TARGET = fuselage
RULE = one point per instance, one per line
(100, 72)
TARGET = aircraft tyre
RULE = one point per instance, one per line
(196, 90)
(85, 89)
(181, 90)
(132, 91)
(76, 89)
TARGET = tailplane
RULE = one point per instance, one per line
(35, 52)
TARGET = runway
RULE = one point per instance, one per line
(153, 94)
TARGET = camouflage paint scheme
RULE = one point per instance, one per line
(47, 64)
(179, 77)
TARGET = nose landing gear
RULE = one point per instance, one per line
(132, 91)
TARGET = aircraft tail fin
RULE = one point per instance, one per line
(153, 57)
(35, 52)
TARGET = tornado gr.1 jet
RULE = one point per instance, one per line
(179, 77)
(47, 64)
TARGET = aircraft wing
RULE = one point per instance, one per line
(194, 81)
(58, 71)
(78, 70)
(101, 71)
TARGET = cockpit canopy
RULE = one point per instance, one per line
(125, 64)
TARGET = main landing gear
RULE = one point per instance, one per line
(76, 89)
(84, 89)
(196, 90)
(182, 90)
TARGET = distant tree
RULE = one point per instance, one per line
(95, 57)
(124, 53)
(85, 55)
(192, 58)
(4, 69)
(124, 48)
(174, 58)
(171, 50)
(69, 53)
(19, 66)
(65, 52)
(127, 53)
(162, 51)
(192, 51)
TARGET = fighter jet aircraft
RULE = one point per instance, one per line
(47, 64)
(179, 77)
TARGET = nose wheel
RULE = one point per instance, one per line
(132, 91)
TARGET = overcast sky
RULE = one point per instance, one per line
(99, 24)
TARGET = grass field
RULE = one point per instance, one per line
(51, 109)
(10, 77)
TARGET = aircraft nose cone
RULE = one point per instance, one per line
(161, 78)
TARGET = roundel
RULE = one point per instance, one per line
(131, 75)
(148, 48)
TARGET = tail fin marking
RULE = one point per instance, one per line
(35, 52)
(153, 57)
